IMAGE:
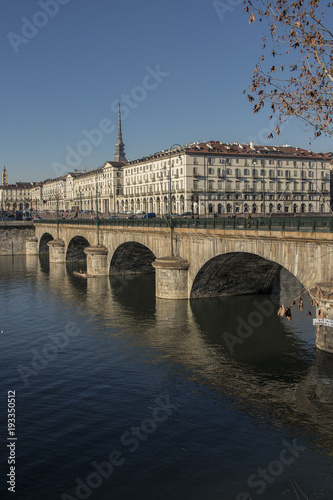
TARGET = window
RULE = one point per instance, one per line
(211, 171)
(271, 174)
(195, 161)
(280, 173)
(229, 172)
(246, 171)
(210, 185)
(287, 174)
(303, 174)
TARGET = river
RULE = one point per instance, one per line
(119, 395)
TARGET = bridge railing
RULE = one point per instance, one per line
(298, 224)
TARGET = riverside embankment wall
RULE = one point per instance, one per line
(12, 236)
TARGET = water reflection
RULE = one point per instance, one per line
(273, 372)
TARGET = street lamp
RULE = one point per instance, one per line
(80, 201)
(57, 201)
(170, 208)
(263, 191)
(97, 219)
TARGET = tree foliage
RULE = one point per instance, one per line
(295, 72)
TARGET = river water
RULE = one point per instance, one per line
(123, 396)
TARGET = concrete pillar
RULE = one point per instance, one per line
(171, 278)
(97, 260)
(322, 293)
(31, 245)
(57, 251)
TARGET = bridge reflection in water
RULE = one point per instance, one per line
(271, 371)
(243, 381)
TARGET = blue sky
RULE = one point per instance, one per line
(177, 67)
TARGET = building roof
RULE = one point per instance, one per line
(20, 185)
(236, 149)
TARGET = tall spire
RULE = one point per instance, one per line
(120, 146)
(4, 177)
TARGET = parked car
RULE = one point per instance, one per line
(140, 212)
(151, 215)
(187, 214)
(131, 217)
(113, 217)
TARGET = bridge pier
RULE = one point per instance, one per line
(97, 260)
(57, 251)
(322, 293)
(171, 275)
(31, 245)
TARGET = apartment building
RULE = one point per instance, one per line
(201, 178)
(216, 177)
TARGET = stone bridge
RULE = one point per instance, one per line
(207, 262)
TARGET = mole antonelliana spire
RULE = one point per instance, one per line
(120, 146)
(4, 177)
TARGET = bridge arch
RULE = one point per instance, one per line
(75, 249)
(132, 258)
(43, 243)
(235, 273)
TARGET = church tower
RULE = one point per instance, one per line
(4, 177)
(120, 146)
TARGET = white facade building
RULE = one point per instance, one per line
(215, 177)
(199, 178)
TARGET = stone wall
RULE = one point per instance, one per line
(12, 237)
